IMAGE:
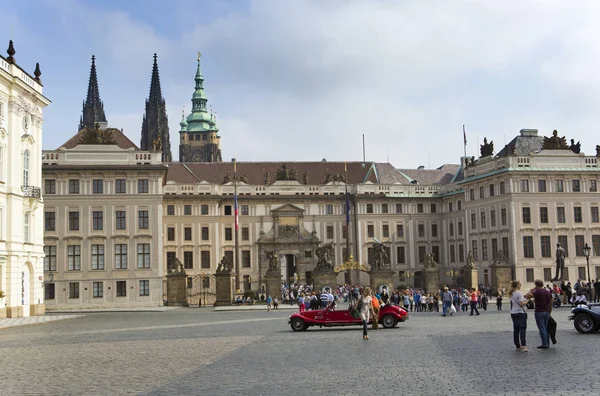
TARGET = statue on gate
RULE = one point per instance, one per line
(324, 254)
(380, 256)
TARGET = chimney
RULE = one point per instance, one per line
(529, 132)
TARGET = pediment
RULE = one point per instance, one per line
(288, 210)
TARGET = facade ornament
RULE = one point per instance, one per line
(37, 73)
(487, 149)
(96, 136)
(11, 52)
(555, 142)
(325, 255)
(429, 262)
(576, 148)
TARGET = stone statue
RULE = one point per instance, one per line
(286, 173)
(328, 177)
(305, 177)
(380, 257)
(224, 265)
(576, 148)
(96, 136)
(487, 149)
(560, 262)
(243, 179)
(470, 260)
(598, 150)
(429, 262)
(157, 143)
(500, 258)
(267, 178)
(555, 142)
(227, 178)
(273, 263)
(324, 254)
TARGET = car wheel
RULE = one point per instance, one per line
(389, 321)
(298, 324)
(584, 323)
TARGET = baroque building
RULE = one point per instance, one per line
(21, 207)
(155, 124)
(198, 137)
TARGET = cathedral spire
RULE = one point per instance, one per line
(155, 124)
(93, 108)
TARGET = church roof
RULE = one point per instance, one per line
(118, 136)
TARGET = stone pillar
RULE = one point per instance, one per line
(501, 276)
(177, 288)
(382, 277)
(471, 277)
(431, 280)
(224, 289)
(273, 281)
(322, 279)
(37, 309)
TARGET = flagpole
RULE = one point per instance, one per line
(348, 253)
(236, 226)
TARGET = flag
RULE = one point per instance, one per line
(235, 211)
(464, 135)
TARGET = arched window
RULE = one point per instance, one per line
(26, 168)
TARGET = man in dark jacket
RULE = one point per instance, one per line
(543, 306)
(597, 290)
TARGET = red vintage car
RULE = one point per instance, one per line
(389, 316)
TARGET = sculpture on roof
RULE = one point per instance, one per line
(157, 143)
(487, 149)
(555, 142)
(576, 148)
(227, 178)
(286, 173)
(267, 178)
(96, 136)
(598, 150)
(328, 177)
(305, 177)
(243, 179)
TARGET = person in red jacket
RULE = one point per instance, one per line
(473, 299)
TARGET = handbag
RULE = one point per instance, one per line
(525, 313)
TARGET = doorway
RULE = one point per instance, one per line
(290, 266)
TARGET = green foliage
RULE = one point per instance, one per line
(250, 293)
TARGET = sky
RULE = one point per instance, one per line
(304, 80)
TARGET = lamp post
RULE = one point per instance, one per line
(586, 252)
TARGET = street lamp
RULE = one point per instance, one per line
(586, 252)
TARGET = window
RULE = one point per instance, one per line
(484, 251)
(451, 229)
(575, 186)
(481, 192)
(503, 216)
(473, 221)
(245, 234)
(526, 215)
(577, 217)
(74, 257)
(369, 208)
(595, 246)
(26, 233)
(142, 187)
(205, 259)
(203, 209)
(384, 208)
(26, 168)
(544, 215)
(559, 186)
(187, 233)
(581, 274)
(171, 259)
(505, 246)
(143, 219)
(143, 256)
(452, 254)
(344, 232)
(449, 206)
(493, 218)
(246, 263)
(329, 209)
(434, 232)
(385, 231)
(529, 275)
(547, 274)
(73, 221)
(73, 289)
(120, 186)
(492, 191)
(329, 231)
(502, 188)
(398, 208)
(564, 242)
(50, 221)
(461, 253)
(419, 208)
(170, 210)
(524, 185)
(560, 215)
(370, 231)
(228, 211)
(483, 223)
(98, 289)
(545, 244)
(97, 257)
(400, 230)
(400, 252)
(228, 234)
(50, 258)
(435, 251)
(144, 288)
(121, 256)
(579, 244)
(528, 247)
(121, 288)
(245, 210)
(205, 233)
(494, 248)
(594, 214)
(460, 228)
(472, 194)
(50, 186)
(459, 204)
(49, 291)
(170, 234)
(593, 186)
(542, 185)
(97, 220)
(187, 210)
(98, 186)
(73, 186)
(421, 230)
(433, 208)
(421, 253)
(188, 260)
(120, 220)
(474, 249)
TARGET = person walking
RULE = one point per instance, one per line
(269, 302)
(446, 301)
(499, 302)
(518, 315)
(473, 298)
(542, 299)
(366, 308)
(376, 306)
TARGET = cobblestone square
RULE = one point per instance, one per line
(200, 352)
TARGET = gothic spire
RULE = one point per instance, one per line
(155, 91)
(93, 108)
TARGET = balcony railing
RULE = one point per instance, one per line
(31, 191)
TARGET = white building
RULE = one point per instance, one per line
(21, 207)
